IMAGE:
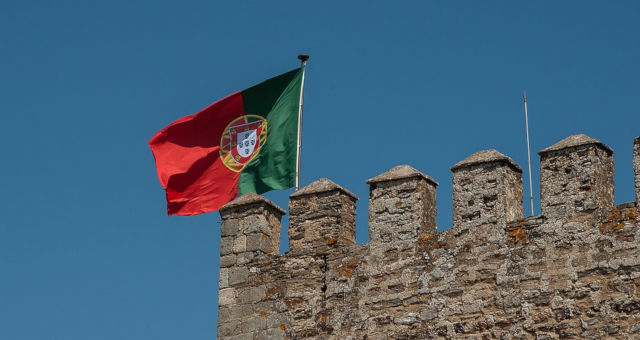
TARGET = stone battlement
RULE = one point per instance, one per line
(571, 272)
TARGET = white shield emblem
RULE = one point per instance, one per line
(247, 141)
(242, 141)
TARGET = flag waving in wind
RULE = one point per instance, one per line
(245, 142)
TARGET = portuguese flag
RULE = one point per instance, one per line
(245, 142)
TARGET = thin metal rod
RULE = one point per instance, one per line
(526, 121)
(303, 58)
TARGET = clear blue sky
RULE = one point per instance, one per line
(86, 248)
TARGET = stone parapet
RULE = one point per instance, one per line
(572, 272)
(250, 234)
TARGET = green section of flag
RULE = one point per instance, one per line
(277, 100)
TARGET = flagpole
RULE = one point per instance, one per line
(526, 121)
(303, 59)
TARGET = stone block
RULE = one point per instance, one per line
(227, 296)
(231, 228)
(238, 275)
(227, 260)
(226, 245)
(244, 258)
(223, 281)
(258, 242)
(275, 320)
(232, 313)
(240, 244)
(228, 329)
(254, 325)
(250, 295)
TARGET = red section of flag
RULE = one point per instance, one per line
(188, 159)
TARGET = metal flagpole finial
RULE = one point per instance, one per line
(303, 58)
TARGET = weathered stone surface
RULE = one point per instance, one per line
(251, 199)
(400, 172)
(250, 221)
(571, 275)
(320, 186)
(322, 217)
(250, 235)
(575, 141)
(576, 178)
(402, 205)
(487, 156)
(487, 188)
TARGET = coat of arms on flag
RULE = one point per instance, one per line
(242, 141)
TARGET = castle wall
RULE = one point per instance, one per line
(572, 272)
